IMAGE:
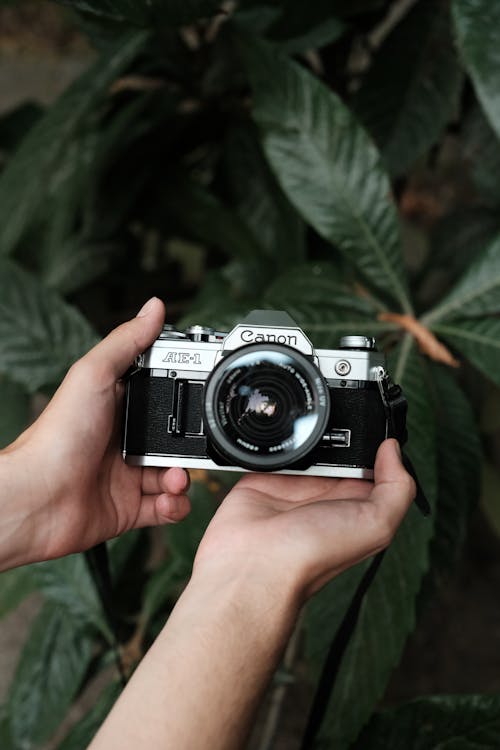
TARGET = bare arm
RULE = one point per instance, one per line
(273, 542)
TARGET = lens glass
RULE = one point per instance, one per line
(268, 404)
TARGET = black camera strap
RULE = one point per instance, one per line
(396, 408)
(97, 559)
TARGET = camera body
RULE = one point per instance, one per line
(257, 398)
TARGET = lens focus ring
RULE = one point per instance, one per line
(266, 407)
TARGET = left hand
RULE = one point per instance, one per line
(64, 484)
(292, 534)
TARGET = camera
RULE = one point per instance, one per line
(260, 398)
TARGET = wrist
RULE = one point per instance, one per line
(249, 591)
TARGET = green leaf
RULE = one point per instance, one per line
(388, 613)
(160, 586)
(173, 12)
(82, 734)
(455, 722)
(482, 155)
(6, 742)
(205, 218)
(216, 305)
(458, 238)
(490, 501)
(489, 420)
(318, 284)
(459, 467)
(325, 611)
(476, 293)
(259, 200)
(325, 307)
(122, 549)
(78, 262)
(411, 91)
(40, 335)
(476, 23)
(15, 412)
(302, 26)
(86, 207)
(23, 200)
(478, 340)
(15, 585)
(67, 583)
(327, 166)
(15, 124)
(48, 676)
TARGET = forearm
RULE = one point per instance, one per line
(16, 521)
(199, 685)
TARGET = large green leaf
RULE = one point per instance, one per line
(260, 201)
(84, 210)
(43, 152)
(323, 305)
(216, 305)
(459, 466)
(388, 613)
(482, 155)
(162, 586)
(203, 216)
(478, 340)
(476, 24)
(6, 742)
(302, 26)
(455, 722)
(77, 262)
(490, 500)
(459, 238)
(476, 293)
(40, 335)
(15, 411)
(16, 123)
(49, 674)
(15, 585)
(320, 284)
(173, 12)
(82, 734)
(67, 583)
(327, 166)
(411, 91)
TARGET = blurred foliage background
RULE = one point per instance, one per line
(336, 159)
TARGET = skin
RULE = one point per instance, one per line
(274, 541)
(65, 485)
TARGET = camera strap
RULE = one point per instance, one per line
(97, 559)
(396, 407)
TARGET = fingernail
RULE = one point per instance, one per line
(146, 309)
(398, 448)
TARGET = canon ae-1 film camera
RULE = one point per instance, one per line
(260, 398)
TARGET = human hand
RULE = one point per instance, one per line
(295, 533)
(65, 486)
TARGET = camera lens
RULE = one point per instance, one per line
(266, 407)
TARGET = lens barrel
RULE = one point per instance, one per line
(266, 406)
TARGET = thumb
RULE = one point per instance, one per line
(111, 358)
(394, 488)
